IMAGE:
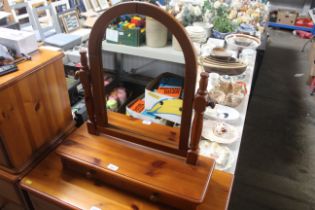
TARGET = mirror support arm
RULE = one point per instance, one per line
(85, 78)
(200, 104)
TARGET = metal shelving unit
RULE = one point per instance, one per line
(290, 27)
(164, 54)
(301, 6)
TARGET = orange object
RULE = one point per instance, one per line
(138, 106)
(170, 91)
(304, 22)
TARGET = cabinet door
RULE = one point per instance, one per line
(34, 112)
(46, 103)
(15, 137)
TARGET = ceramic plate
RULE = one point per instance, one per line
(229, 137)
(221, 53)
(227, 67)
(223, 155)
(224, 113)
(242, 41)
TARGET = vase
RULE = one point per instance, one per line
(156, 33)
(219, 35)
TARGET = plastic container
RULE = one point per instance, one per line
(156, 33)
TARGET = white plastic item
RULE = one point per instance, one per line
(21, 41)
(156, 33)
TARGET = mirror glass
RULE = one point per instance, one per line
(144, 72)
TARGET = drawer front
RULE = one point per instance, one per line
(40, 204)
(33, 112)
(145, 192)
(8, 191)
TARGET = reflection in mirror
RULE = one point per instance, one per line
(143, 80)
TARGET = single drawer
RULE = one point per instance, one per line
(144, 192)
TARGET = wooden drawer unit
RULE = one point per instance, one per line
(50, 187)
(34, 110)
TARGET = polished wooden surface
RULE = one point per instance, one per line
(140, 170)
(159, 134)
(35, 109)
(68, 190)
(85, 77)
(39, 60)
(200, 105)
(96, 67)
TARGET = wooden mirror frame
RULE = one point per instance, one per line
(92, 77)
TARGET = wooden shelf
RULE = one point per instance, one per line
(164, 54)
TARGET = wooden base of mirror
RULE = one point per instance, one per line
(158, 176)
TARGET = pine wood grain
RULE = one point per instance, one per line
(34, 109)
(39, 59)
(160, 134)
(141, 170)
(68, 190)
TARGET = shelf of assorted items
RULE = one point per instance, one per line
(294, 27)
(228, 153)
(166, 53)
(291, 27)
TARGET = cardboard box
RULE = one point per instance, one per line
(286, 17)
(164, 106)
(21, 41)
(136, 110)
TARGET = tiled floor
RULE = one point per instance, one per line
(276, 166)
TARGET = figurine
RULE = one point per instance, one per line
(116, 98)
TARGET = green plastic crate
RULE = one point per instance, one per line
(130, 37)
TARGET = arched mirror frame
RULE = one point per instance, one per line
(98, 121)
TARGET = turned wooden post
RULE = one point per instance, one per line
(85, 78)
(200, 104)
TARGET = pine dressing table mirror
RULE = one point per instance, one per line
(159, 162)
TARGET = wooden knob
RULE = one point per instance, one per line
(89, 174)
(37, 106)
(154, 197)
